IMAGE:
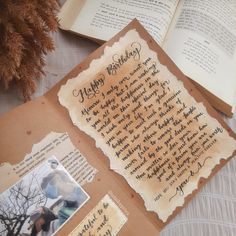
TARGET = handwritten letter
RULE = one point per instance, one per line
(143, 118)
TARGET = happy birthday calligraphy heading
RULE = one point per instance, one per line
(118, 60)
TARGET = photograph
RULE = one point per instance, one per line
(41, 202)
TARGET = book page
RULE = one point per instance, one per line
(202, 42)
(102, 19)
(58, 144)
(155, 134)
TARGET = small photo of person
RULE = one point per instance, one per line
(49, 196)
(44, 221)
(59, 184)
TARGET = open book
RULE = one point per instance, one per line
(118, 147)
(199, 36)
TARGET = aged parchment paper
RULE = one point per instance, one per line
(152, 130)
(105, 218)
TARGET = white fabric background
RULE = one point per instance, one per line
(212, 212)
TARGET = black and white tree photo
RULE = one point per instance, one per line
(16, 203)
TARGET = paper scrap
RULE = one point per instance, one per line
(105, 218)
(58, 144)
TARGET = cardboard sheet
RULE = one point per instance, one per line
(28, 124)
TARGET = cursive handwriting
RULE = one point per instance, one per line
(180, 188)
(90, 91)
(119, 60)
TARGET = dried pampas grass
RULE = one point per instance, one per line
(24, 40)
